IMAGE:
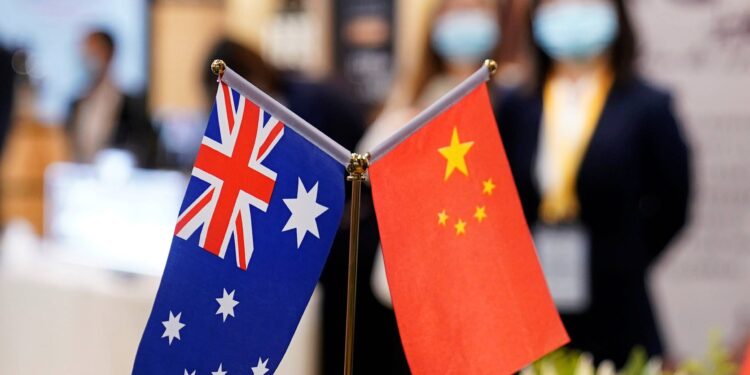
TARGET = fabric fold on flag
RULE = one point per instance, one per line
(467, 288)
(258, 219)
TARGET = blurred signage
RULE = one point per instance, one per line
(364, 46)
(700, 50)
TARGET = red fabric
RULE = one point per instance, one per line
(471, 303)
(746, 364)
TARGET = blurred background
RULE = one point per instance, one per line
(103, 106)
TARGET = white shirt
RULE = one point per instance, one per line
(571, 96)
(96, 120)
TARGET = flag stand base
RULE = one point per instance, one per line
(356, 169)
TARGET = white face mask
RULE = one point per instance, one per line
(575, 31)
(93, 68)
(465, 36)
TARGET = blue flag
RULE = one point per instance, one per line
(256, 225)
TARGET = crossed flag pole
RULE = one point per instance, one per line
(502, 244)
(357, 173)
(489, 294)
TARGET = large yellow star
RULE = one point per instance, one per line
(442, 218)
(454, 154)
(480, 213)
(460, 227)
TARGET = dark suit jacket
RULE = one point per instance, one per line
(133, 130)
(633, 187)
(7, 78)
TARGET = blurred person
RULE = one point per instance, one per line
(104, 116)
(602, 170)
(325, 105)
(7, 78)
(459, 36)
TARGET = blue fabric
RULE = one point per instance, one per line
(212, 128)
(272, 293)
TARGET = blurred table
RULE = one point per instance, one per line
(58, 317)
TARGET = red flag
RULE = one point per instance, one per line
(746, 361)
(467, 288)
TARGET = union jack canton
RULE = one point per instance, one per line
(259, 215)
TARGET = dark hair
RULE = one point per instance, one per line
(623, 50)
(244, 61)
(105, 38)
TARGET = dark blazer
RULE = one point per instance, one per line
(633, 187)
(133, 131)
(7, 78)
(326, 106)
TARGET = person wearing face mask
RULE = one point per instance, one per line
(459, 37)
(602, 169)
(104, 117)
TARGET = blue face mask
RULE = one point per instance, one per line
(465, 36)
(575, 31)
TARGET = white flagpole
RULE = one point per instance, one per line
(451, 97)
(283, 114)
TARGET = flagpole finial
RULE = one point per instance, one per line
(218, 66)
(358, 166)
(491, 66)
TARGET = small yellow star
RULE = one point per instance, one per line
(480, 213)
(454, 154)
(442, 218)
(488, 186)
(460, 227)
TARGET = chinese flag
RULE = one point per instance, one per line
(467, 288)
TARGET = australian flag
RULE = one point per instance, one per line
(256, 225)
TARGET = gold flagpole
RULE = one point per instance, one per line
(356, 169)
(218, 66)
(491, 65)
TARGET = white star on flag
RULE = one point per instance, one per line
(305, 209)
(219, 371)
(192, 373)
(172, 327)
(226, 305)
(260, 368)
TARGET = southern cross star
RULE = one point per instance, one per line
(260, 368)
(172, 327)
(226, 305)
(220, 371)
